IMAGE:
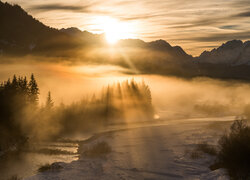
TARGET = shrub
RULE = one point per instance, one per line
(47, 167)
(202, 148)
(234, 150)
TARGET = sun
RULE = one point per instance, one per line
(115, 30)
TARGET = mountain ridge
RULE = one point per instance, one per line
(21, 34)
(235, 52)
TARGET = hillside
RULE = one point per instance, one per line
(20, 33)
(233, 53)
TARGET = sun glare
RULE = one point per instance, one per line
(115, 30)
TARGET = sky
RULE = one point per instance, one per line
(195, 25)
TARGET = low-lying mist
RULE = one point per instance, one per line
(86, 97)
(22, 117)
(199, 97)
(171, 96)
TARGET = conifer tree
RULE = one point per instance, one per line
(33, 90)
(14, 82)
(49, 102)
(24, 85)
(147, 92)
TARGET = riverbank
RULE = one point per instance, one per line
(156, 151)
(26, 162)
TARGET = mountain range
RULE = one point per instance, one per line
(21, 34)
(233, 52)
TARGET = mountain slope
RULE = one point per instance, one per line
(229, 61)
(84, 36)
(233, 52)
(21, 33)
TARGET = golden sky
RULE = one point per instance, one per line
(195, 25)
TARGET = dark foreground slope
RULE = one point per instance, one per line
(20, 33)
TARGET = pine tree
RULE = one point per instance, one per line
(33, 90)
(119, 91)
(147, 92)
(49, 102)
(7, 84)
(14, 83)
(24, 85)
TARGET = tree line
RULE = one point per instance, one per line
(16, 95)
(21, 116)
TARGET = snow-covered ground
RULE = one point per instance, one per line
(150, 151)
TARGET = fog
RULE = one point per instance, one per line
(199, 97)
(73, 86)
(66, 83)
(172, 96)
(91, 98)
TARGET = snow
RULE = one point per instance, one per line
(233, 53)
(151, 151)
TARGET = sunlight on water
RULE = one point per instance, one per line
(26, 163)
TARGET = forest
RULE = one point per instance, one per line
(23, 118)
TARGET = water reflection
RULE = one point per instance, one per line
(27, 162)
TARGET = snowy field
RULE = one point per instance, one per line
(148, 151)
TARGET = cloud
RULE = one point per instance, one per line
(239, 3)
(215, 37)
(57, 6)
(229, 27)
(243, 14)
(212, 21)
(140, 17)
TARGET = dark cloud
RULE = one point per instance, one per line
(141, 17)
(87, 8)
(52, 7)
(215, 37)
(240, 4)
(229, 27)
(211, 21)
(243, 14)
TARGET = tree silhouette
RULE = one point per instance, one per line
(49, 102)
(16, 96)
(120, 102)
(33, 90)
